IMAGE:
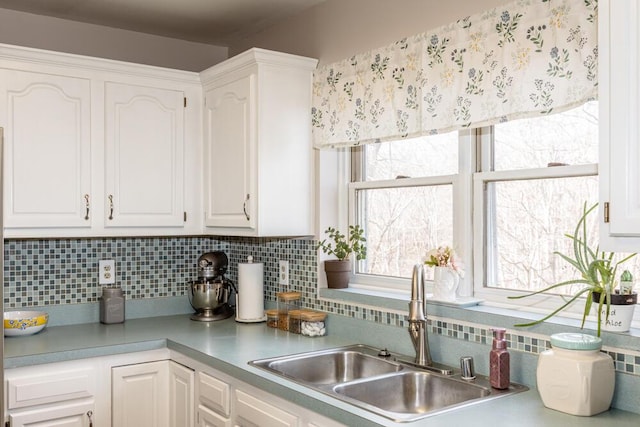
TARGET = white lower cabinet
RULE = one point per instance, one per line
(157, 388)
(253, 412)
(213, 398)
(181, 393)
(65, 414)
(153, 394)
(224, 401)
(140, 395)
(208, 418)
(61, 394)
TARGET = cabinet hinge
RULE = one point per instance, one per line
(185, 101)
(184, 216)
(606, 212)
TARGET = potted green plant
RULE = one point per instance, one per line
(597, 272)
(341, 246)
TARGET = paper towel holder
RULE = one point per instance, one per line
(250, 293)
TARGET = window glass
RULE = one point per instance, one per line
(417, 157)
(528, 223)
(526, 220)
(401, 224)
(569, 138)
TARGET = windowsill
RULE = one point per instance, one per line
(485, 313)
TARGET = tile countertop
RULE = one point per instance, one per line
(227, 346)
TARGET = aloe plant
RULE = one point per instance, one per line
(597, 274)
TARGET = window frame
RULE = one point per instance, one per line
(480, 179)
(485, 174)
(462, 200)
(474, 149)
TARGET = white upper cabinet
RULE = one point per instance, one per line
(99, 148)
(144, 156)
(47, 121)
(619, 95)
(105, 148)
(258, 159)
(228, 164)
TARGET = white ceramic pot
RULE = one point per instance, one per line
(445, 283)
(620, 312)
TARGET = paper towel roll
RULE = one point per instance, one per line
(250, 292)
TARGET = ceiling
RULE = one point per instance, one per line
(216, 22)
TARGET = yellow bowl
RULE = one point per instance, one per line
(17, 323)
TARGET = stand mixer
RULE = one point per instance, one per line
(209, 295)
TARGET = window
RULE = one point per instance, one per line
(529, 181)
(404, 199)
(535, 175)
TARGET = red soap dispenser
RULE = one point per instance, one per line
(499, 360)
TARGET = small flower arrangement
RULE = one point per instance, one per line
(445, 256)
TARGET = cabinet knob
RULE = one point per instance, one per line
(90, 416)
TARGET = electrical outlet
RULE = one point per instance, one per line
(283, 273)
(106, 272)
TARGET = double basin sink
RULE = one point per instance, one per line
(381, 382)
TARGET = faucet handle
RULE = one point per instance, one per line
(466, 366)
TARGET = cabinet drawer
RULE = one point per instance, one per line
(255, 412)
(36, 389)
(68, 414)
(213, 394)
(209, 418)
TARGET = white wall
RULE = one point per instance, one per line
(338, 29)
(42, 32)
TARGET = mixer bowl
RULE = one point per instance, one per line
(208, 295)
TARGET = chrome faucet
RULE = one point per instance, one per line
(418, 319)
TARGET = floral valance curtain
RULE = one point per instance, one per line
(526, 58)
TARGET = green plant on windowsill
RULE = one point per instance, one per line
(339, 270)
(342, 247)
(597, 274)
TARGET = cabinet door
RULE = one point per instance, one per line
(229, 138)
(619, 91)
(144, 156)
(140, 397)
(181, 392)
(65, 414)
(214, 394)
(252, 411)
(47, 145)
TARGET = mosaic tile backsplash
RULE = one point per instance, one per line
(54, 272)
(64, 271)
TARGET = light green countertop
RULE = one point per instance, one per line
(228, 346)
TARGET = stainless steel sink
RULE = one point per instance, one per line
(412, 393)
(386, 385)
(330, 367)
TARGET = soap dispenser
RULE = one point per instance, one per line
(499, 360)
